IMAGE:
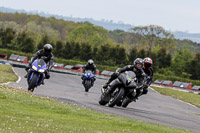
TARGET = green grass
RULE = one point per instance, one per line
(7, 74)
(184, 96)
(23, 112)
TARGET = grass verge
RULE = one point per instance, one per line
(7, 74)
(22, 112)
(184, 96)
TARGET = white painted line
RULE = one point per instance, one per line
(188, 103)
(19, 78)
(175, 98)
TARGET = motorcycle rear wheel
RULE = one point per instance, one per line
(126, 102)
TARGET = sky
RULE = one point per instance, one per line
(173, 15)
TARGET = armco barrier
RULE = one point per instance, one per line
(186, 85)
(177, 84)
(16, 64)
(58, 66)
(3, 56)
(158, 81)
(175, 88)
(197, 88)
(167, 83)
(17, 58)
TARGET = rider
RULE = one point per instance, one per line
(46, 54)
(89, 66)
(149, 72)
(136, 68)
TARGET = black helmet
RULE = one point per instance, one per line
(138, 63)
(90, 62)
(147, 63)
(48, 48)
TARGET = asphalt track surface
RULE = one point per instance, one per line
(152, 108)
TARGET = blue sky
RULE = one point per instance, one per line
(174, 15)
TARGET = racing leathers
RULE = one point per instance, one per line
(149, 76)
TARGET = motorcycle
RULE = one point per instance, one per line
(122, 90)
(36, 74)
(88, 80)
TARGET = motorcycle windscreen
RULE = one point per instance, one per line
(88, 74)
(41, 64)
(122, 78)
(130, 74)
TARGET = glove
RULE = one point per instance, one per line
(116, 73)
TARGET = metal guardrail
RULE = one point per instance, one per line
(16, 64)
(175, 88)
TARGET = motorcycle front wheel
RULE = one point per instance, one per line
(117, 97)
(87, 85)
(32, 82)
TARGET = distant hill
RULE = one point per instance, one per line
(195, 37)
(107, 24)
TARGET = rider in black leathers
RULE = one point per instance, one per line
(90, 66)
(149, 72)
(136, 68)
(46, 54)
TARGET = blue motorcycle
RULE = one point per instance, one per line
(36, 74)
(88, 80)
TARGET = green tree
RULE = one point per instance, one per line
(164, 59)
(193, 67)
(29, 45)
(152, 34)
(132, 55)
(76, 50)
(24, 43)
(59, 49)
(103, 55)
(85, 51)
(88, 33)
(68, 53)
(45, 39)
(7, 36)
(180, 61)
(118, 55)
(141, 53)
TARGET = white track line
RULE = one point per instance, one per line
(19, 78)
(172, 97)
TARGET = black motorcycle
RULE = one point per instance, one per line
(121, 91)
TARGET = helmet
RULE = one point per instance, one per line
(147, 63)
(48, 48)
(138, 63)
(90, 62)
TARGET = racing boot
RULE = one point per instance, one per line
(26, 75)
(42, 82)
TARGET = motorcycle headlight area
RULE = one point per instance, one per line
(129, 81)
(34, 67)
(41, 70)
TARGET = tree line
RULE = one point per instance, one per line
(181, 63)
